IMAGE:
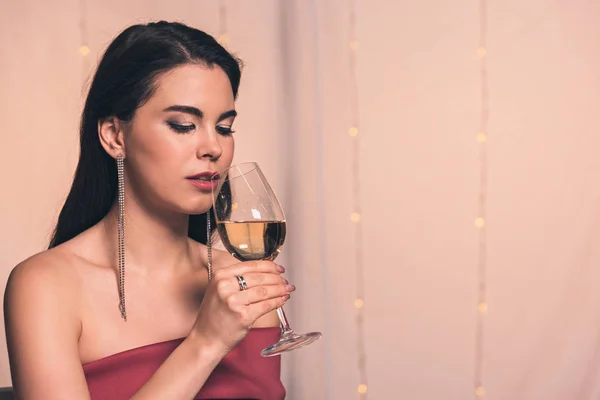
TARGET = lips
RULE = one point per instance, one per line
(206, 176)
(206, 181)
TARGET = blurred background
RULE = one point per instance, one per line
(438, 163)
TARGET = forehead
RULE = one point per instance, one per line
(194, 85)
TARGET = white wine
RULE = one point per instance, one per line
(252, 240)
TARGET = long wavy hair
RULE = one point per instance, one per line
(124, 80)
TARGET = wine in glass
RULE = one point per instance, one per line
(251, 224)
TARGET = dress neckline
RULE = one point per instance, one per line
(119, 354)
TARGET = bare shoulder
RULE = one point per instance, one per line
(42, 325)
(47, 273)
(39, 287)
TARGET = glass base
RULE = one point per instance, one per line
(290, 341)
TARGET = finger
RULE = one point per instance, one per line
(257, 310)
(262, 293)
(248, 267)
(253, 279)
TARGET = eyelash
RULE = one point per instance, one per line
(225, 131)
(182, 129)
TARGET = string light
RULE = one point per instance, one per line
(223, 39)
(353, 46)
(359, 303)
(482, 307)
(480, 391)
(480, 222)
(84, 49)
(223, 36)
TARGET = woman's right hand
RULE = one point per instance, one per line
(228, 313)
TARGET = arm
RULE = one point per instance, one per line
(184, 372)
(43, 326)
(232, 312)
(42, 333)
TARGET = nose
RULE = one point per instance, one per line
(209, 145)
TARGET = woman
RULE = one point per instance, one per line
(157, 120)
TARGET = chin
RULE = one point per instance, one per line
(197, 212)
(198, 207)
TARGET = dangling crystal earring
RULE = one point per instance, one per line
(208, 245)
(121, 234)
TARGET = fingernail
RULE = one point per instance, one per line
(286, 297)
(285, 281)
(280, 268)
(290, 288)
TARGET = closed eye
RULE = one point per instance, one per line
(224, 130)
(179, 128)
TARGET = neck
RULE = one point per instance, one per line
(155, 244)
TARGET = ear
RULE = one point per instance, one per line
(111, 134)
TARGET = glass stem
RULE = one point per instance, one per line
(285, 326)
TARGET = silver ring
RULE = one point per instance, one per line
(241, 282)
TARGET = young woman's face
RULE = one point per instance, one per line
(179, 137)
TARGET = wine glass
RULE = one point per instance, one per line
(252, 226)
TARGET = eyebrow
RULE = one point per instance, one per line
(197, 113)
(185, 109)
(227, 114)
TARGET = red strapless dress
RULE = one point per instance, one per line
(242, 374)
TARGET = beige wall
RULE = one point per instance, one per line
(419, 110)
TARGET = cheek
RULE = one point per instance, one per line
(154, 141)
(228, 148)
(153, 153)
